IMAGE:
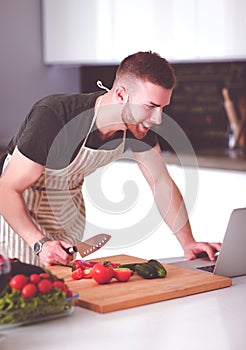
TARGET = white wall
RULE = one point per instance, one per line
(24, 77)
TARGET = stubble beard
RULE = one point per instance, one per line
(131, 124)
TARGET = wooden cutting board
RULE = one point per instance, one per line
(115, 295)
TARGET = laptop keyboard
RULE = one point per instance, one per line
(209, 268)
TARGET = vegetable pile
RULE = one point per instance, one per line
(104, 272)
(28, 298)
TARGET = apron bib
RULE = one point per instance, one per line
(55, 201)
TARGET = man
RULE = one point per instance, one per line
(66, 137)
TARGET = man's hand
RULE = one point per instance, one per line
(53, 252)
(194, 249)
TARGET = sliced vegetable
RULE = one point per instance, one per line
(77, 274)
(103, 272)
(78, 264)
(122, 274)
(88, 272)
(90, 263)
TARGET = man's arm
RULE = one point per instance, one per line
(170, 203)
(19, 174)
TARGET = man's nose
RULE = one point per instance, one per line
(156, 116)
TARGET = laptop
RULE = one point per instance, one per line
(231, 260)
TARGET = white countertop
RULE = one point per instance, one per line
(211, 320)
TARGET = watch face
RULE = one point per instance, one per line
(37, 247)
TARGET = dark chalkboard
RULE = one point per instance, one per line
(197, 103)
(89, 75)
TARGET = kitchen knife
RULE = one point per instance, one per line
(90, 245)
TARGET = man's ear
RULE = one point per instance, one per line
(121, 94)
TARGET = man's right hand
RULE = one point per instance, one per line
(53, 252)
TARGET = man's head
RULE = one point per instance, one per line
(144, 82)
(145, 66)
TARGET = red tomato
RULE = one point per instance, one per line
(78, 274)
(102, 273)
(45, 286)
(88, 272)
(18, 282)
(60, 285)
(34, 278)
(29, 291)
(122, 274)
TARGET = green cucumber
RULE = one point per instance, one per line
(146, 271)
(129, 266)
(159, 268)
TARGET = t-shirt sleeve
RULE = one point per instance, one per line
(37, 136)
(148, 142)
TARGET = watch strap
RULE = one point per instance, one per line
(38, 245)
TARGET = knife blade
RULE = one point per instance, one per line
(90, 245)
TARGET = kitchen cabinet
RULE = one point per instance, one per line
(105, 31)
(96, 31)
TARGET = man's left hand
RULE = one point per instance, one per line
(193, 250)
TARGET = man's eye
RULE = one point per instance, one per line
(150, 107)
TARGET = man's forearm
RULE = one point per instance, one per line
(173, 210)
(15, 212)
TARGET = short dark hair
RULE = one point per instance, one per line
(148, 66)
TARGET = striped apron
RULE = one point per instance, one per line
(55, 201)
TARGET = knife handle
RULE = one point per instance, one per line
(70, 250)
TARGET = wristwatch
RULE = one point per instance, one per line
(38, 245)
